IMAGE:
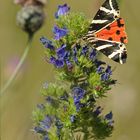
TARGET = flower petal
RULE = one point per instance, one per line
(62, 10)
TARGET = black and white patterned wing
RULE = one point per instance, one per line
(113, 50)
(107, 13)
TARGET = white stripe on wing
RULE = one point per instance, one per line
(103, 47)
(98, 21)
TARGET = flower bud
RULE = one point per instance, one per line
(30, 18)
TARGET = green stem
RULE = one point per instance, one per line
(13, 76)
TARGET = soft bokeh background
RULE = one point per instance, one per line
(21, 98)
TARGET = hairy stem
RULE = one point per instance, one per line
(22, 59)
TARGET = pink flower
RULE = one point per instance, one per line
(10, 66)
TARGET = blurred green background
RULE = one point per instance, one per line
(18, 102)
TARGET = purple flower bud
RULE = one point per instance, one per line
(67, 55)
(47, 122)
(99, 69)
(74, 51)
(46, 137)
(38, 129)
(98, 63)
(52, 59)
(75, 59)
(78, 94)
(59, 63)
(47, 43)
(61, 52)
(92, 54)
(109, 116)
(108, 70)
(59, 32)
(104, 77)
(98, 110)
(84, 50)
(62, 10)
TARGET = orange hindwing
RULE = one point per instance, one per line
(114, 32)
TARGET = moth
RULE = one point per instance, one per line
(107, 32)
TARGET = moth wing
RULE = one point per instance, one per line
(107, 13)
(114, 32)
(113, 50)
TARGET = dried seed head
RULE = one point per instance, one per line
(30, 18)
(30, 2)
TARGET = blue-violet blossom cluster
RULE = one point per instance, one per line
(71, 103)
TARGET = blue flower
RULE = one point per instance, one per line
(84, 50)
(62, 10)
(46, 137)
(59, 32)
(67, 55)
(104, 77)
(75, 59)
(52, 59)
(59, 63)
(78, 94)
(99, 69)
(40, 130)
(108, 70)
(47, 122)
(98, 63)
(61, 52)
(98, 111)
(47, 43)
(109, 116)
(92, 54)
(74, 51)
(63, 55)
